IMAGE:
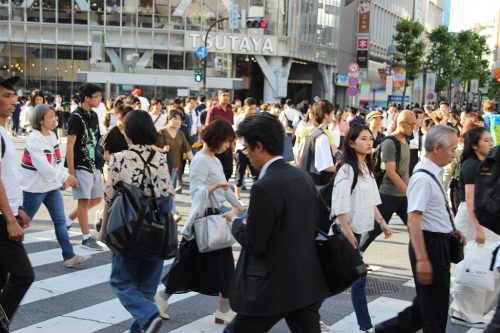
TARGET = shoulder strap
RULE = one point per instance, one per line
(442, 191)
(3, 145)
(397, 144)
(147, 167)
(154, 122)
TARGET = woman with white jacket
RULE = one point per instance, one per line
(43, 175)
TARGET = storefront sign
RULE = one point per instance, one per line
(362, 59)
(399, 77)
(364, 17)
(363, 43)
(233, 43)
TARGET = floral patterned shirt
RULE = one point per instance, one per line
(126, 166)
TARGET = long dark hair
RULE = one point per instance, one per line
(471, 138)
(349, 155)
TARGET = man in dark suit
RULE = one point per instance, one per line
(278, 273)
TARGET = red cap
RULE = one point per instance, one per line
(137, 91)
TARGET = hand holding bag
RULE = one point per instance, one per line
(474, 271)
(456, 246)
(212, 232)
(342, 265)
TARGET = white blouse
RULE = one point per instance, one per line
(360, 205)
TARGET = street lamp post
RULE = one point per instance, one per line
(391, 52)
(424, 69)
(205, 60)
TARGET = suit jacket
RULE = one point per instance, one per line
(278, 270)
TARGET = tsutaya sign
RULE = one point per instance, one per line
(233, 43)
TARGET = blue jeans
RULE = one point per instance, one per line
(135, 283)
(359, 302)
(173, 178)
(54, 202)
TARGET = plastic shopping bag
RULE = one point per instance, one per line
(474, 270)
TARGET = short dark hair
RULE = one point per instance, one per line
(202, 98)
(222, 91)
(216, 133)
(250, 101)
(87, 90)
(321, 109)
(191, 98)
(289, 102)
(175, 113)
(139, 128)
(303, 107)
(264, 128)
(131, 99)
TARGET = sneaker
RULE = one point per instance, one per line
(161, 302)
(154, 326)
(91, 244)
(460, 321)
(224, 317)
(177, 218)
(324, 327)
(75, 260)
(69, 222)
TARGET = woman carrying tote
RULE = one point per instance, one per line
(43, 175)
(357, 209)
(471, 304)
(134, 281)
(207, 273)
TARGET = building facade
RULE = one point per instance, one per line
(56, 45)
(383, 16)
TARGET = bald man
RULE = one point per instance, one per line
(397, 173)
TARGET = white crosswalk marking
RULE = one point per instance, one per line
(43, 236)
(55, 255)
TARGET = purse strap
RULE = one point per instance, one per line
(442, 191)
(147, 167)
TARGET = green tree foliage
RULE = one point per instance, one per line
(440, 59)
(410, 48)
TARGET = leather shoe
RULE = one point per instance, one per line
(224, 317)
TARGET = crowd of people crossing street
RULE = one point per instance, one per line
(426, 165)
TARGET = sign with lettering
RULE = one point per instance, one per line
(233, 43)
(364, 16)
(363, 43)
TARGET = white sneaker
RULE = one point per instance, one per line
(161, 302)
(69, 222)
(224, 317)
(76, 260)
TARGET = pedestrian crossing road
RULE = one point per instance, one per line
(80, 300)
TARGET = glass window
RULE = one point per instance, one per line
(176, 60)
(160, 60)
(64, 11)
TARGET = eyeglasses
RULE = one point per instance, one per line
(98, 96)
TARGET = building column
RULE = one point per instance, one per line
(327, 75)
(276, 71)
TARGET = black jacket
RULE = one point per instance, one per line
(278, 270)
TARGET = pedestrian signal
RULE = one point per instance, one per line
(198, 76)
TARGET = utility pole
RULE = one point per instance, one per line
(205, 60)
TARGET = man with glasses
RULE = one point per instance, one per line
(83, 135)
(16, 273)
(395, 152)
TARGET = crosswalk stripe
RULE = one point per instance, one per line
(43, 236)
(380, 309)
(92, 318)
(206, 325)
(55, 255)
(65, 283)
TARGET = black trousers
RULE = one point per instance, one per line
(305, 320)
(413, 159)
(390, 205)
(429, 310)
(242, 162)
(226, 158)
(16, 273)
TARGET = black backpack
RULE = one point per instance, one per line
(379, 172)
(487, 192)
(308, 155)
(324, 204)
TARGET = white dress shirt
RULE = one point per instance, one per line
(425, 195)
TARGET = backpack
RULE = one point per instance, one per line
(324, 204)
(487, 192)
(379, 172)
(308, 156)
(3, 146)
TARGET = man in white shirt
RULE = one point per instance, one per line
(137, 92)
(390, 121)
(16, 273)
(430, 227)
(288, 115)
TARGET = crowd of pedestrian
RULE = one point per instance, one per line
(379, 163)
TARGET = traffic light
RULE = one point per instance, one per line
(256, 23)
(198, 76)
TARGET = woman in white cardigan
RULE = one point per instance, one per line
(43, 175)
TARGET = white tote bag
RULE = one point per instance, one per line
(474, 270)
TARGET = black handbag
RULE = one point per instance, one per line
(141, 226)
(456, 247)
(342, 265)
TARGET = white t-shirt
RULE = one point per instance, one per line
(288, 115)
(237, 120)
(360, 204)
(159, 120)
(101, 111)
(10, 171)
(144, 103)
(414, 142)
(322, 154)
